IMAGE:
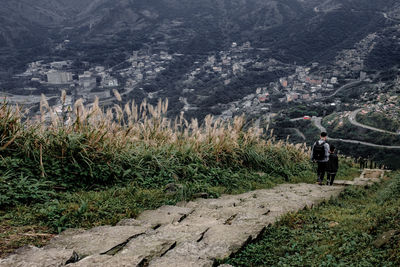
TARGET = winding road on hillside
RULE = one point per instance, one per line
(299, 133)
(352, 119)
(194, 233)
(317, 122)
(346, 86)
(389, 18)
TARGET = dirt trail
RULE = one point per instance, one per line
(190, 234)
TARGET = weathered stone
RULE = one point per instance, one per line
(130, 222)
(200, 195)
(97, 240)
(343, 182)
(36, 257)
(190, 234)
(384, 238)
(172, 188)
(164, 215)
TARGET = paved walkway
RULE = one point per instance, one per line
(190, 234)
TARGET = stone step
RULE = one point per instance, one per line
(191, 234)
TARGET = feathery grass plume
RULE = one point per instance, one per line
(238, 123)
(165, 106)
(10, 125)
(127, 110)
(80, 112)
(63, 114)
(107, 143)
(143, 106)
(63, 97)
(271, 134)
(117, 95)
(159, 108)
(95, 107)
(119, 113)
(43, 106)
(54, 118)
(135, 113)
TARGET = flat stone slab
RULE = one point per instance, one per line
(190, 234)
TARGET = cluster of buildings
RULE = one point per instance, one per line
(308, 83)
(253, 104)
(304, 86)
(388, 104)
(61, 75)
(145, 66)
(351, 61)
(229, 64)
(225, 64)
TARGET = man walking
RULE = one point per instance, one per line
(320, 154)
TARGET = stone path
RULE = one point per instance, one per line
(190, 234)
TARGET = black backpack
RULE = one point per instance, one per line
(319, 151)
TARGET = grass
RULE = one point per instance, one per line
(340, 232)
(85, 166)
(347, 169)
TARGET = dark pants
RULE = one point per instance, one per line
(321, 171)
(330, 177)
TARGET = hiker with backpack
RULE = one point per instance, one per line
(320, 154)
(332, 166)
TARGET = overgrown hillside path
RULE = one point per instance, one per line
(189, 234)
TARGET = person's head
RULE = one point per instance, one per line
(332, 148)
(324, 135)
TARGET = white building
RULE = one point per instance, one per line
(99, 68)
(87, 80)
(59, 77)
(60, 64)
(110, 82)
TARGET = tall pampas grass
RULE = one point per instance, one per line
(115, 130)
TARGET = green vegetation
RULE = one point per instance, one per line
(302, 110)
(284, 128)
(379, 120)
(88, 167)
(341, 232)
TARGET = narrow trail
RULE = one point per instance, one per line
(190, 234)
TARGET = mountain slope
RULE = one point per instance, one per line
(295, 29)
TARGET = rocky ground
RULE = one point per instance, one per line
(189, 234)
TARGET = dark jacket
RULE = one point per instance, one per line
(333, 163)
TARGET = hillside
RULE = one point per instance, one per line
(86, 169)
(199, 27)
(226, 58)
